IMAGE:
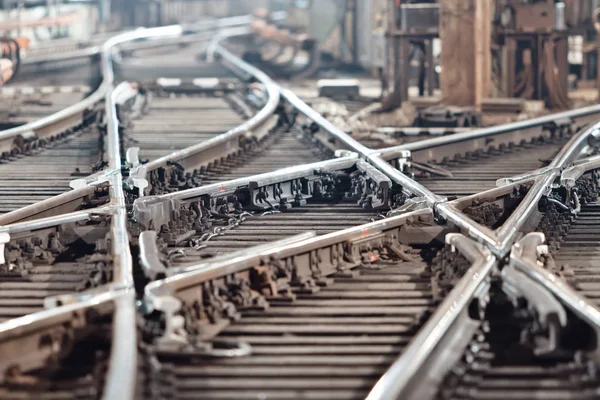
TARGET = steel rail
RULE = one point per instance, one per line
(261, 122)
(71, 55)
(63, 203)
(158, 208)
(67, 218)
(565, 158)
(151, 263)
(31, 328)
(74, 114)
(575, 146)
(120, 380)
(569, 176)
(236, 255)
(205, 271)
(345, 162)
(401, 380)
(524, 257)
(189, 267)
(582, 116)
(121, 375)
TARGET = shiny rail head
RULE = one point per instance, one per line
(568, 155)
(343, 248)
(120, 377)
(416, 374)
(22, 339)
(572, 120)
(526, 257)
(155, 211)
(285, 248)
(74, 114)
(65, 203)
(569, 176)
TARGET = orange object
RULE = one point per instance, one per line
(11, 48)
(23, 42)
(271, 32)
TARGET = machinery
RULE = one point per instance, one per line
(533, 40)
(411, 30)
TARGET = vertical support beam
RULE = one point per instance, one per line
(598, 62)
(395, 64)
(483, 55)
(537, 58)
(561, 48)
(465, 30)
(430, 66)
(20, 6)
(404, 68)
(509, 53)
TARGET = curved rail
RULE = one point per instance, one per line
(72, 116)
(120, 381)
(159, 295)
(400, 378)
(259, 124)
(401, 381)
(397, 380)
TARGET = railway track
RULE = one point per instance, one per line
(332, 341)
(573, 250)
(189, 119)
(47, 261)
(266, 262)
(514, 353)
(34, 169)
(501, 361)
(474, 172)
(47, 171)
